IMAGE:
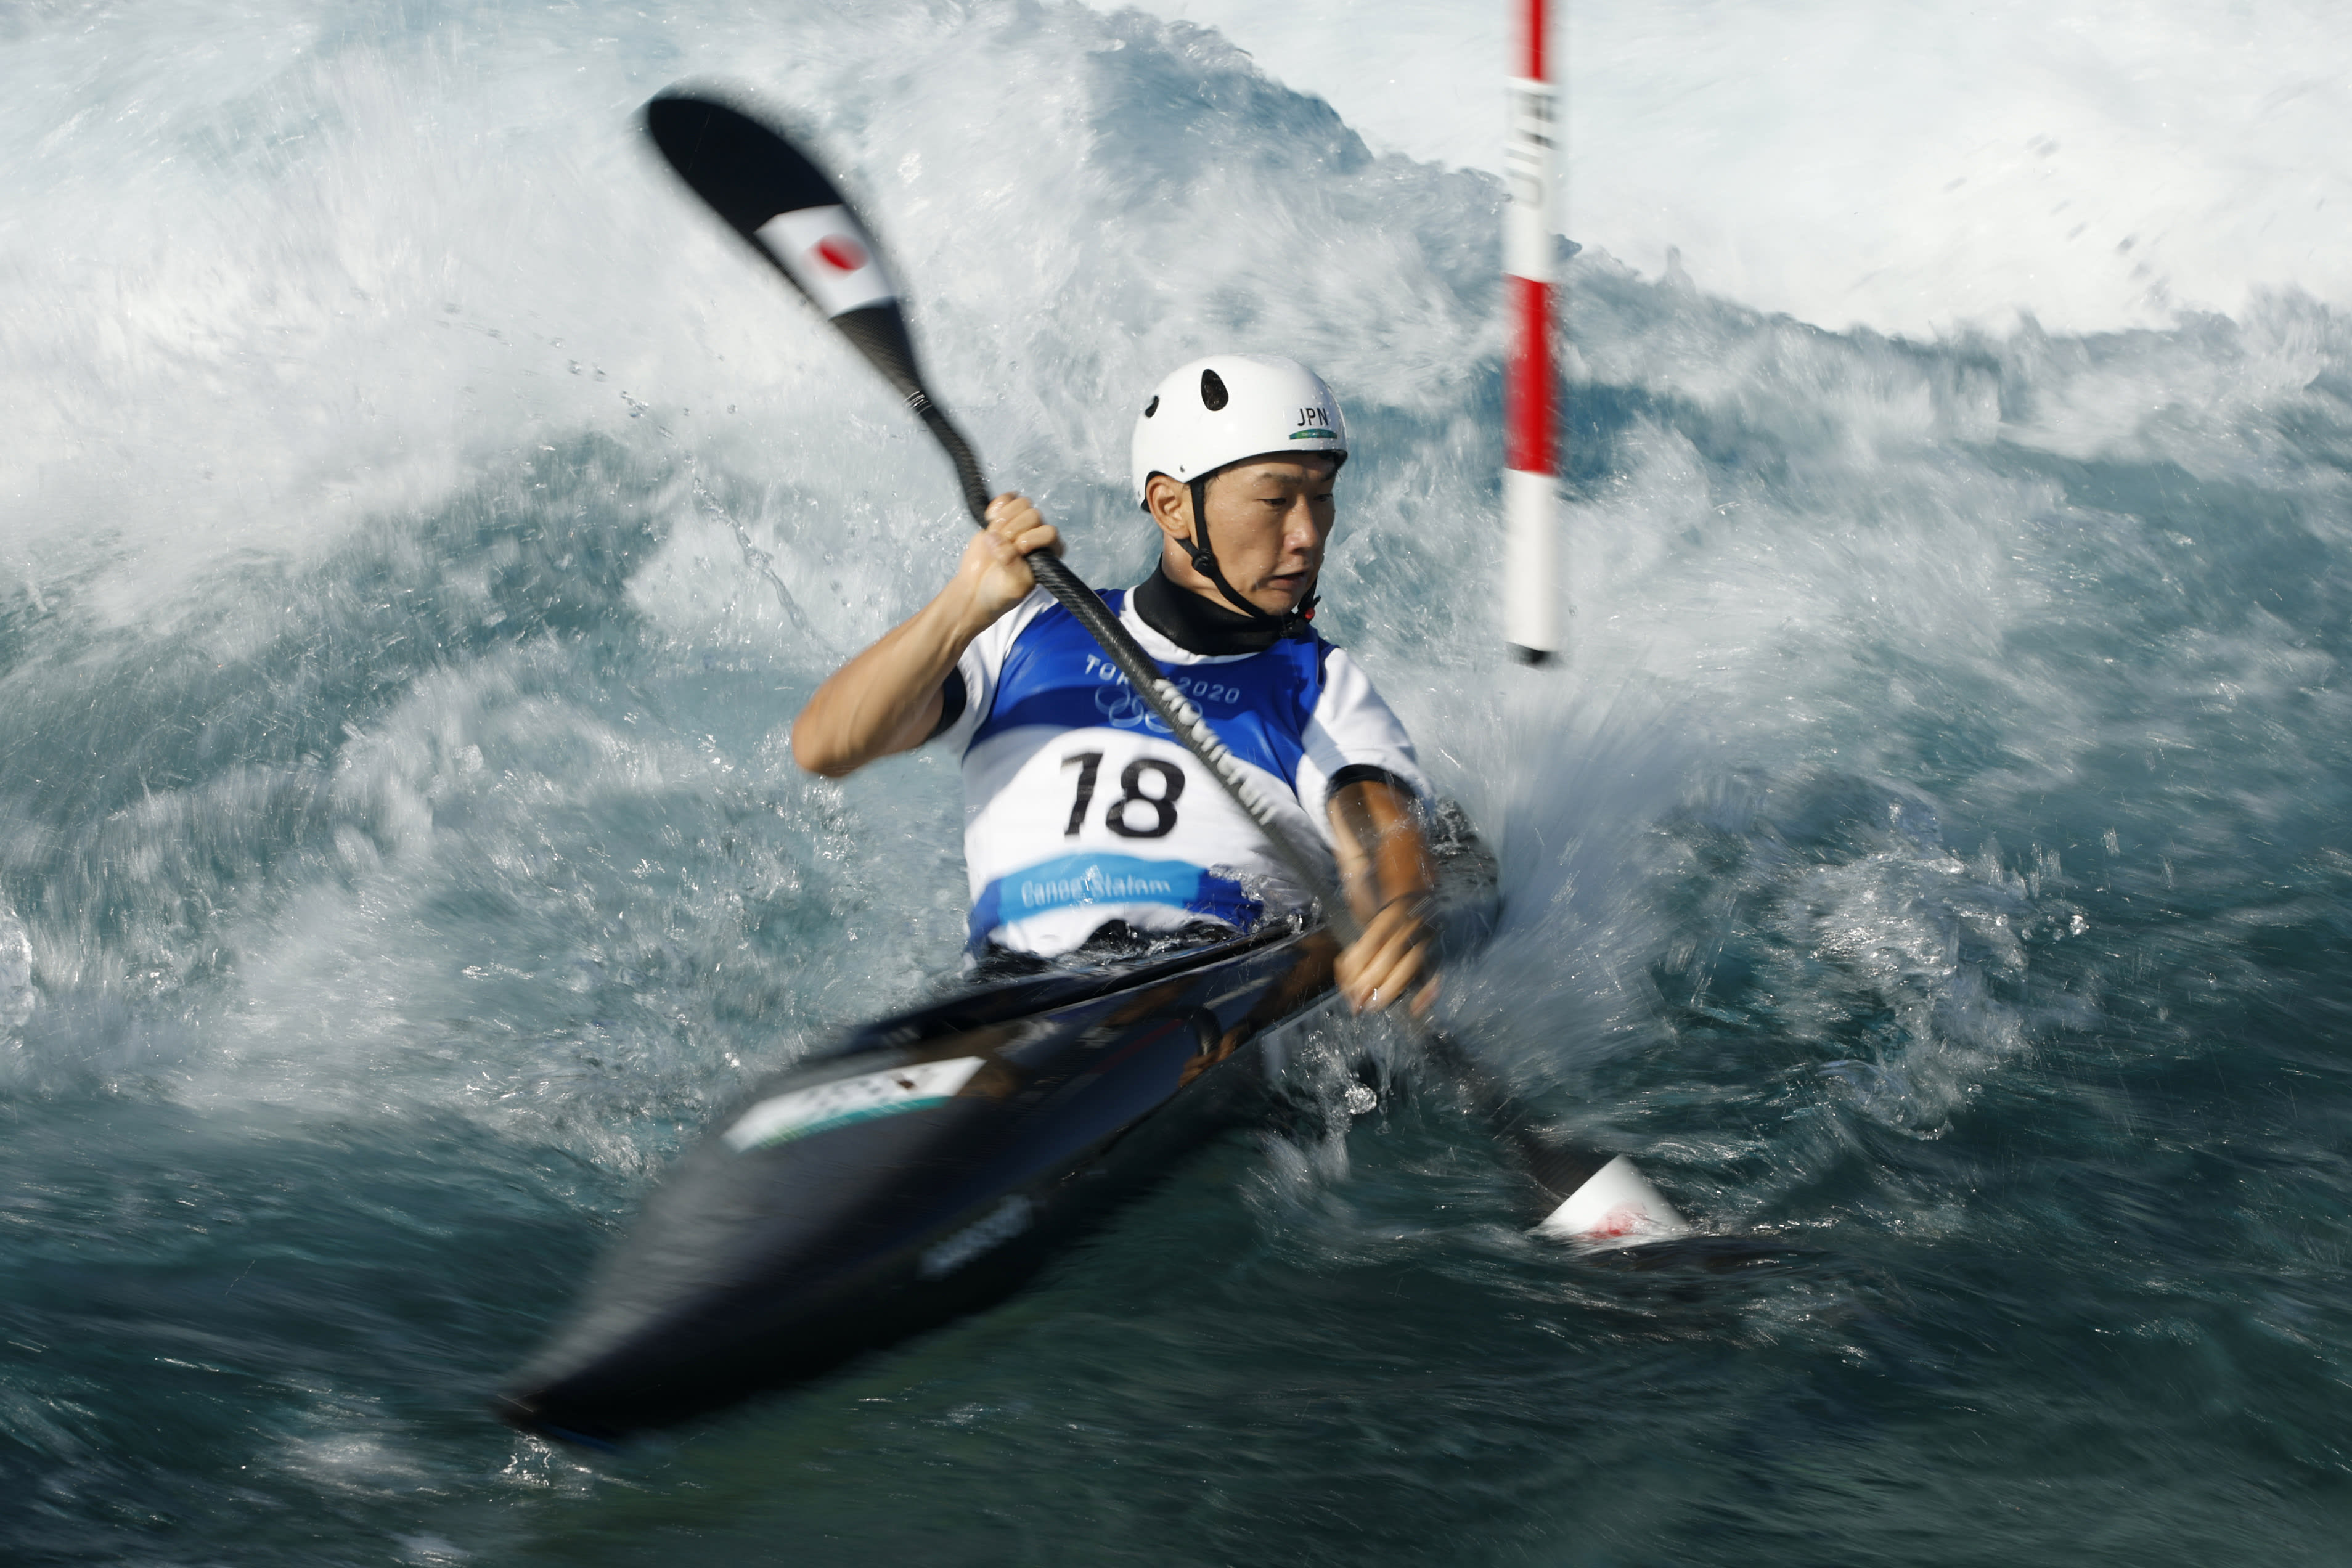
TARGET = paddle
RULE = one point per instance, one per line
(770, 193)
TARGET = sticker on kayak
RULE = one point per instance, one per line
(826, 1106)
(829, 256)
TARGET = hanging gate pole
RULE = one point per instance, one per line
(1530, 443)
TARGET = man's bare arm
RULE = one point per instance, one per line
(1386, 871)
(889, 698)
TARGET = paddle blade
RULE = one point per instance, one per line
(769, 192)
(1616, 1207)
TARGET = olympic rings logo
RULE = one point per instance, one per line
(1125, 710)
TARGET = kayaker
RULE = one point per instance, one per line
(1087, 826)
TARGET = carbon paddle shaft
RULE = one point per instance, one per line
(791, 213)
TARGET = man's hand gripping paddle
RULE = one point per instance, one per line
(770, 194)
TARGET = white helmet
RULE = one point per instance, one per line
(1226, 408)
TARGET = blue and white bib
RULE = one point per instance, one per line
(1079, 807)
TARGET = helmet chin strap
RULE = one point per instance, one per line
(1292, 622)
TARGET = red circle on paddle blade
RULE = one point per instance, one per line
(841, 253)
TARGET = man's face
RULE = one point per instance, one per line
(1269, 519)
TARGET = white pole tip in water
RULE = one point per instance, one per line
(1616, 1207)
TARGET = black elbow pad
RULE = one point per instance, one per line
(1363, 772)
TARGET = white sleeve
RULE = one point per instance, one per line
(981, 663)
(1352, 727)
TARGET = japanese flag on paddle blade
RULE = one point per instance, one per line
(824, 251)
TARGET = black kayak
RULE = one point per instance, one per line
(924, 1166)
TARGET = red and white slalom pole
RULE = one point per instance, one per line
(1530, 443)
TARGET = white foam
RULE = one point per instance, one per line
(2095, 163)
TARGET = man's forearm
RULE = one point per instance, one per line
(888, 697)
(1386, 868)
(1381, 851)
